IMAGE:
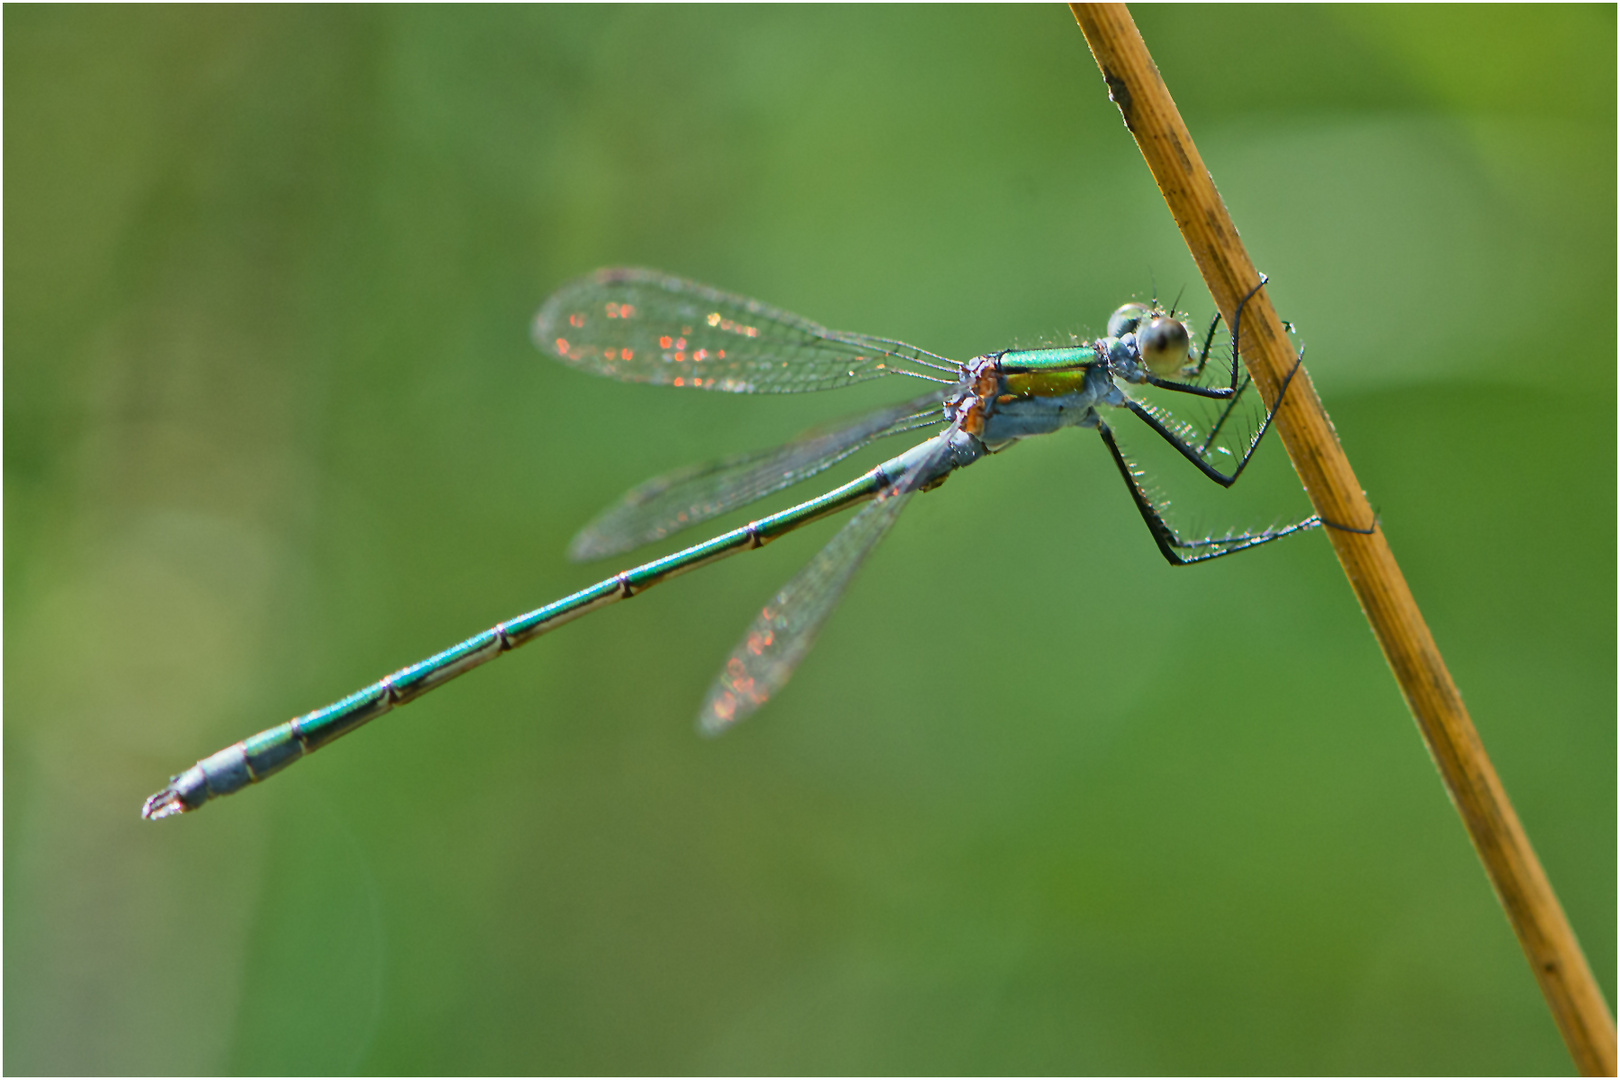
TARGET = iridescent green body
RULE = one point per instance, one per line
(640, 326)
(1057, 359)
(268, 752)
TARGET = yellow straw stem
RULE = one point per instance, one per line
(1521, 885)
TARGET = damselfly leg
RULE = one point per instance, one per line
(1196, 449)
(1165, 427)
(1179, 551)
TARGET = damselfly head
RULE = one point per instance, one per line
(1164, 344)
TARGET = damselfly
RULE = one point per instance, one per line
(641, 326)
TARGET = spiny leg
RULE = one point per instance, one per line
(1177, 551)
(1203, 358)
(1226, 414)
(1237, 322)
(1195, 454)
(1209, 339)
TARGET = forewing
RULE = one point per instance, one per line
(642, 326)
(784, 630)
(682, 498)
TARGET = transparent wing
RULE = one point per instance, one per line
(784, 630)
(682, 498)
(643, 326)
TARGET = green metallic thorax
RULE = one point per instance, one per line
(1071, 356)
(1046, 372)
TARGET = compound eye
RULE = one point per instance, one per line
(1126, 318)
(1163, 345)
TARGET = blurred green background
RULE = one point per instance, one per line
(1037, 802)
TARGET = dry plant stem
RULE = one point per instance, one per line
(1135, 86)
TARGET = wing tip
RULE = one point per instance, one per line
(723, 711)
